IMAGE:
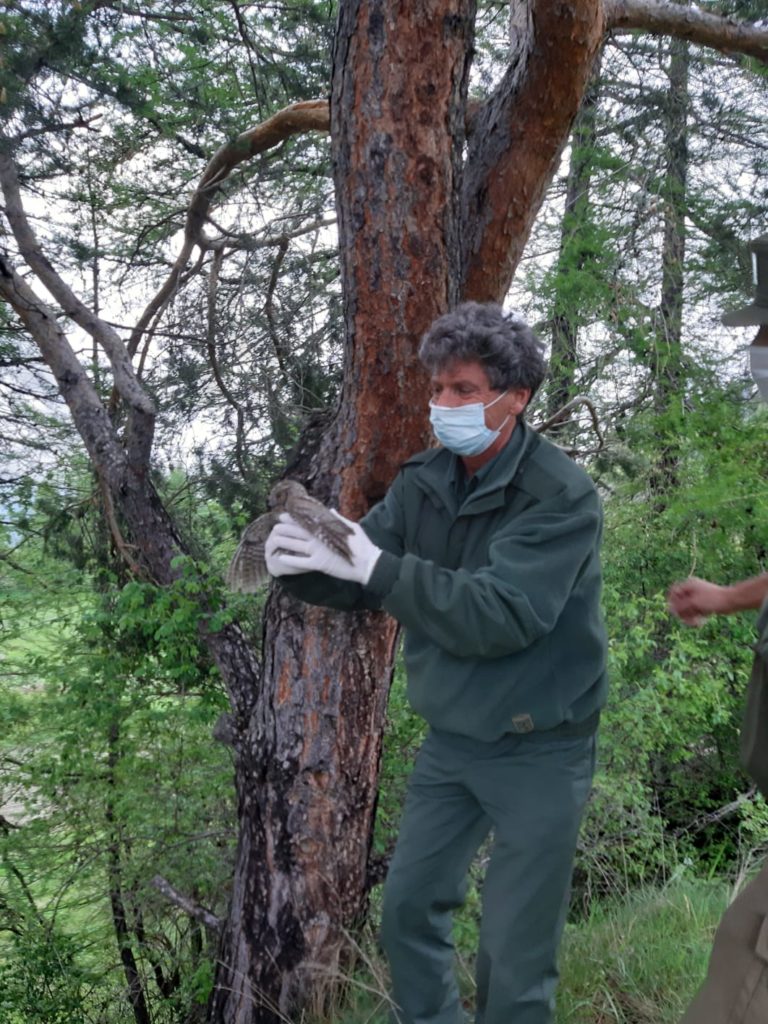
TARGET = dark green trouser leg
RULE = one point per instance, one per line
(441, 830)
(527, 884)
(532, 790)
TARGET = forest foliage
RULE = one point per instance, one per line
(116, 797)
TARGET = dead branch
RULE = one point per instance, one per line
(564, 413)
(192, 909)
(213, 359)
(269, 309)
(244, 243)
(714, 816)
(120, 542)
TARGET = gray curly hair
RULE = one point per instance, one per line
(506, 347)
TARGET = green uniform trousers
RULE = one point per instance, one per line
(736, 987)
(531, 790)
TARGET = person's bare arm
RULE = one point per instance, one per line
(694, 600)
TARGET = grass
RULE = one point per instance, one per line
(636, 960)
(640, 960)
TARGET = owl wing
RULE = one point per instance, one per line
(318, 520)
(248, 570)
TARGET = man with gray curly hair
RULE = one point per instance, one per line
(486, 549)
(504, 345)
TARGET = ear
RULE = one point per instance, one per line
(519, 398)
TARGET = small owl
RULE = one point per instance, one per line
(248, 570)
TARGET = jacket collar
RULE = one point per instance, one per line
(439, 472)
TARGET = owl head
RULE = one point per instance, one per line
(282, 491)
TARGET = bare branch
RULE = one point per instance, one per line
(192, 909)
(269, 308)
(141, 427)
(714, 816)
(311, 115)
(210, 341)
(719, 33)
(150, 333)
(121, 544)
(565, 411)
(81, 122)
(244, 243)
(249, 48)
(77, 390)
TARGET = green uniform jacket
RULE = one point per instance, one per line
(498, 588)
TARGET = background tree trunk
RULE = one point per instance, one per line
(573, 255)
(667, 361)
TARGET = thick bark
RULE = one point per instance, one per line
(518, 136)
(307, 782)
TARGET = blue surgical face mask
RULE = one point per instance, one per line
(461, 428)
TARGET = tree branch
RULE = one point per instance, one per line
(719, 33)
(213, 359)
(121, 544)
(564, 413)
(246, 243)
(192, 909)
(78, 392)
(519, 134)
(311, 115)
(714, 816)
(140, 429)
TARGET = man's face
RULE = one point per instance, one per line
(461, 383)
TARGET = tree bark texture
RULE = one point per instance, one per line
(674, 193)
(307, 777)
(518, 136)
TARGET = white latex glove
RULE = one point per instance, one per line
(290, 549)
(286, 539)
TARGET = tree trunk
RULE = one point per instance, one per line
(307, 775)
(564, 357)
(519, 135)
(134, 985)
(667, 359)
